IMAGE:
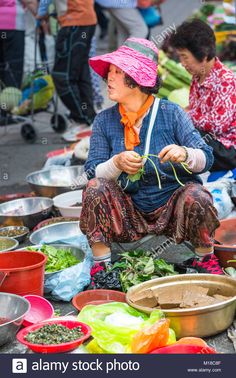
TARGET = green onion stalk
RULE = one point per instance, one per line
(139, 174)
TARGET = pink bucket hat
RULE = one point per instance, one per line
(137, 57)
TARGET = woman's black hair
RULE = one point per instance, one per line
(197, 37)
(131, 83)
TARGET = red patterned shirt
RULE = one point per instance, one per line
(212, 104)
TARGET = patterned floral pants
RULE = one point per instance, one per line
(109, 215)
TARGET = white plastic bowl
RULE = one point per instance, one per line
(65, 201)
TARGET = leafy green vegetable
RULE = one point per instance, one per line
(137, 175)
(138, 266)
(58, 259)
(173, 75)
(180, 97)
(207, 9)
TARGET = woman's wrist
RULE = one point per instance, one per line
(196, 159)
(115, 160)
(186, 154)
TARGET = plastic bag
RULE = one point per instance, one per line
(63, 160)
(110, 338)
(114, 338)
(62, 286)
(151, 337)
(93, 348)
(151, 16)
(220, 191)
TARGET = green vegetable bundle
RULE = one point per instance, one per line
(173, 75)
(176, 69)
(139, 266)
(180, 97)
(58, 259)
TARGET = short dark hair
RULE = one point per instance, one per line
(197, 37)
(131, 83)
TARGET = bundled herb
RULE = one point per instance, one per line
(139, 266)
(137, 176)
(51, 334)
(58, 259)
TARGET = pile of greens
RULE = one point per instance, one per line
(51, 334)
(58, 259)
(138, 266)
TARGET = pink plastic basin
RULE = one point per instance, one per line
(41, 309)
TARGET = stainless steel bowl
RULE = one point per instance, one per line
(200, 321)
(77, 252)
(55, 233)
(26, 212)
(13, 243)
(13, 308)
(54, 181)
(23, 232)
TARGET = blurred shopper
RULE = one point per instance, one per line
(103, 21)
(98, 99)
(71, 73)
(12, 43)
(12, 39)
(212, 102)
(129, 22)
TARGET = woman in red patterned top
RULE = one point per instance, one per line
(212, 101)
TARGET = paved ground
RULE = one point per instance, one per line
(17, 159)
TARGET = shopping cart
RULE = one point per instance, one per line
(38, 95)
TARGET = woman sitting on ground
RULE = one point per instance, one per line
(118, 210)
(212, 101)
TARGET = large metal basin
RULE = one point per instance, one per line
(54, 181)
(12, 308)
(201, 321)
(55, 233)
(25, 211)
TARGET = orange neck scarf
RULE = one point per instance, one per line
(129, 119)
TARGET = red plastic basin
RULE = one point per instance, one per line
(226, 235)
(97, 297)
(22, 272)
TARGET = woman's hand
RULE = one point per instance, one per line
(173, 153)
(128, 161)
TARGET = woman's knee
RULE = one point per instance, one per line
(197, 194)
(98, 185)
